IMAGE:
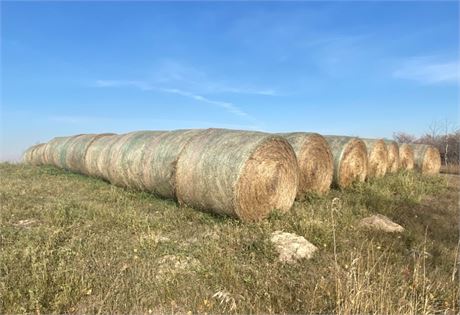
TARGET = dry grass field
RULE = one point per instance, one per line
(73, 244)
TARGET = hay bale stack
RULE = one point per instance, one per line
(350, 160)
(406, 157)
(243, 174)
(315, 161)
(427, 159)
(393, 156)
(377, 157)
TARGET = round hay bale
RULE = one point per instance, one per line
(377, 157)
(34, 155)
(53, 151)
(74, 151)
(393, 156)
(38, 155)
(95, 158)
(350, 160)
(316, 166)
(427, 159)
(158, 162)
(406, 157)
(243, 174)
(27, 155)
(125, 157)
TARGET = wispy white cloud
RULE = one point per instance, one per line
(428, 70)
(229, 107)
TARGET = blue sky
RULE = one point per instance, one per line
(356, 68)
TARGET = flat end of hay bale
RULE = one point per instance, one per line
(406, 157)
(377, 155)
(269, 181)
(427, 159)
(316, 165)
(393, 156)
(350, 160)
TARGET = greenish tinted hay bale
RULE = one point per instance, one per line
(95, 158)
(427, 159)
(34, 155)
(125, 157)
(377, 157)
(160, 159)
(406, 157)
(53, 151)
(27, 155)
(393, 156)
(243, 174)
(39, 154)
(74, 151)
(350, 160)
(315, 161)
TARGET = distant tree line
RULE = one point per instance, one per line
(444, 136)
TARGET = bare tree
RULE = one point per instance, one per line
(403, 137)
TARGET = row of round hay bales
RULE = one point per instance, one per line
(244, 174)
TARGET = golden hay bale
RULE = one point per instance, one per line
(377, 157)
(393, 156)
(427, 159)
(315, 161)
(95, 158)
(243, 174)
(406, 157)
(350, 160)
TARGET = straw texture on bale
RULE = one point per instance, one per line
(406, 157)
(243, 174)
(53, 151)
(159, 162)
(377, 157)
(27, 155)
(350, 160)
(427, 159)
(95, 164)
(34, 155)
(146, 160)
(316, 167)
(74, 151)
(393, 156)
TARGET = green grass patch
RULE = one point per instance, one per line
(74, 244)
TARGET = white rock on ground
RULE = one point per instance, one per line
(381, 223)
(292, 247)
